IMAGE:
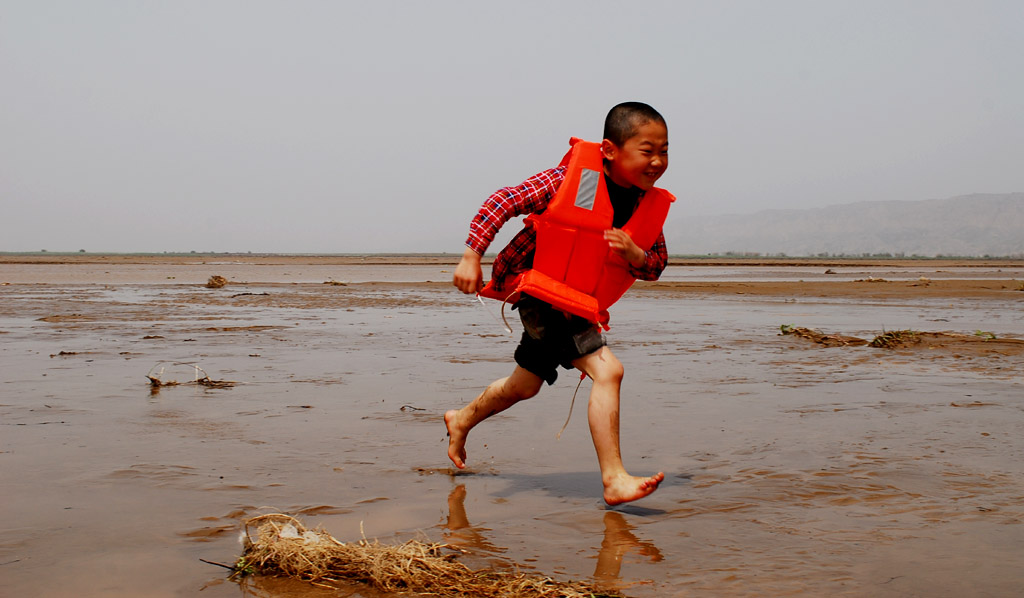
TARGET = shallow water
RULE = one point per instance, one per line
(791, 469)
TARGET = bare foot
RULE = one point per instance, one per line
(626, 488)
(456, 439)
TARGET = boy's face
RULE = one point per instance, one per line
(640, 160)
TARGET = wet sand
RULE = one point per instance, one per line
(793, 469)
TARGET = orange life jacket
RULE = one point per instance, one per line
(573, 267)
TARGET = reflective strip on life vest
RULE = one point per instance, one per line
(586, 194)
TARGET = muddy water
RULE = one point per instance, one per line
(298, 270)
(792, 470)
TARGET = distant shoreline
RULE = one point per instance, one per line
(415, 259)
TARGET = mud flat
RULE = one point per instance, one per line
(793, 468)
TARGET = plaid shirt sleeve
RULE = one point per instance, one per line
(529, 197)
(655, 260)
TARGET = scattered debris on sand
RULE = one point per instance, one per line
(65, 318)
(981, 341)
(973, 404)
(279, 545)
(216, 282)
(159, 377)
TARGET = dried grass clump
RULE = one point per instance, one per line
(216, 282)
(896, 339)
(282, 546)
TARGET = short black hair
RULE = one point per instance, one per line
(624, 119)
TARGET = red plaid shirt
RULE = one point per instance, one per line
(532, 197)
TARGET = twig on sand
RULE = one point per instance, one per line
(228, 567)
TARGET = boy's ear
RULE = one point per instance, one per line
(608, 149)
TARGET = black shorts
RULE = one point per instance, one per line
(552, 338)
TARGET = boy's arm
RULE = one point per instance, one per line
(529, 197)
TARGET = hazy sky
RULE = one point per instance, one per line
(335, 126)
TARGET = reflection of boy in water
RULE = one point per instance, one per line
(461, 532)
(617, 542)
(635, 152)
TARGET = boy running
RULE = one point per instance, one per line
(635, 156)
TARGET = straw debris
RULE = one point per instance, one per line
(896, 339)
(871, 279)
(279, 545)
(216, 282)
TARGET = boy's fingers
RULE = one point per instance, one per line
(617, 238)
(622, 244)
(468, 285)
(467, 277)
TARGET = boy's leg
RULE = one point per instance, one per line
(603, 413)
(499, 396)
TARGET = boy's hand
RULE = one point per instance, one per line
(468, 276)
(623, 245)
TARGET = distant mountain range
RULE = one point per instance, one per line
(968, 225)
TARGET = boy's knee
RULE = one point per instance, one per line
(608, 370)
(523, 387)
(528, 390)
